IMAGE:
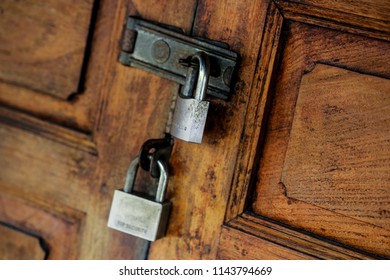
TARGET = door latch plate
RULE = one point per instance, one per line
(161, 51)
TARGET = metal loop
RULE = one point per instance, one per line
(203, 76)
(192, 74)
(162, 182)
(131, 174)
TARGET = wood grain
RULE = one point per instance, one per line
(78, 111)
(42, 44)
(16, 245)
(303, 50)
(288, 238)
(238, 245)
(54, 170)
(202, 173)
(134, 107)
(338, 156)
(368, 16)
(62, 158)
(67, 137)
(253, 237)
(59, 227)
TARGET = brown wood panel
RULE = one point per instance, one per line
(62, 159)
(286, 57)
(79, 112)
(42, 44)
(67, 137)
(135, 106)
(202, 173)
(284, 242)
(255, 120)
(238, 245)
(348, 218)
(46, 185)
(35, 165)
(63, 172)
(60, 227)
(17, 245)
(338, 156)
(365, 14)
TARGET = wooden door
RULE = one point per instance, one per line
(294, 166)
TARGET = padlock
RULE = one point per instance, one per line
(190, 114)
(137, 215)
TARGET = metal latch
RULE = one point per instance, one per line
(165, 52)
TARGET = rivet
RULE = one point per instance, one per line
(227, 75)
(160, 51)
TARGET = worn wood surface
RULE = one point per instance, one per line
(135, 107)
(202, 173)
(78, 111)
(288, 239)
(372, 14)
(251, 237)
(338, 156)
(341, 49)
(59, 227)
(16, 245)
(42, 44)
(62, 160)
(238, 245)
(349, 204)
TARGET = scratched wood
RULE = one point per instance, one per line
(325, 161)
(16, 245)
(237, 245)
(64, 92)
(340, 133)
(283, 62)
(372, 14)
(265, 239)
(202, 174)
(62, 160)
(42, 45)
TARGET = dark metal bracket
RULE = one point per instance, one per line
(164, 52)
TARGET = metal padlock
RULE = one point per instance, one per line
(190, 114)
(137, 215)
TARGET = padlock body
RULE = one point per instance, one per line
(138, 216)
(189, 119)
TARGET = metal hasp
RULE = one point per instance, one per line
(163, 52)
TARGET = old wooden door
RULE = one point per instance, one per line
(294, 166)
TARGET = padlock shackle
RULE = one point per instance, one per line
(130, 177)
(203, 75)
(162, 181)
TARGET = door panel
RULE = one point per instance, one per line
(62, 157)
(202, 174)
(16, 245)
(326, 148)
(370, 16)
(293, 166)
(321, 154)
(43, 44)
(49, 60)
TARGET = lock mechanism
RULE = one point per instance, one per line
(162, 50)
(140, 216)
